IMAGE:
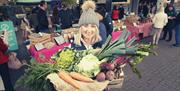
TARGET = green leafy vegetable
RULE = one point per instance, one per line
(88, 66)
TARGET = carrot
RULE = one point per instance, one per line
(80, 77)
(67, 78)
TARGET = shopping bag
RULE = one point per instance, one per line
(14, 62)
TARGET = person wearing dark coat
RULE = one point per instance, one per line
(102, 28)
(42, 17)
(66, 18)
(177, 31)
(108, 6)
(4, 70)
(107, 20)
(145, 10)
(121, 12)
(170, 11)
(55, 17)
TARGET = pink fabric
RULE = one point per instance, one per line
(47, 53)
(133, 30)
(145, 28)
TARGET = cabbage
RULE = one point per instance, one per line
(88, 66)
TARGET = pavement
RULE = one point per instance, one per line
(159, 73)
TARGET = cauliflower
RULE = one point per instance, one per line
(88, 66)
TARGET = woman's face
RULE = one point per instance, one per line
(88, 30)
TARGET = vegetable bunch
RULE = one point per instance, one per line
(120, 47)
(88, 66)
(65, 58)
(35, 77)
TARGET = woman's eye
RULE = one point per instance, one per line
(85, 25)
(93, 26)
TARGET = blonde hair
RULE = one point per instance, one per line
(78, 36)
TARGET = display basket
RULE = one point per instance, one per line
(119, 77)
(118, 81)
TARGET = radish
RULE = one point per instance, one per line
(103, 66)
(110, 66)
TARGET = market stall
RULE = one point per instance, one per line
(134, 26)
(43, 46)
(90, 70)
(70, 60)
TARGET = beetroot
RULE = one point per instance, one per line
(110, 75)
(101, 77)
(103, 66)
(110, 66)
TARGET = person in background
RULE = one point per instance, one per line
(88, 35)
(65, 15)
(4, 70)
(35, 10)
(121, 12)
(25, 27)
(159, 21)
(42, 18)
(177, 31)
(108, 6)
(115, 13)
(102, 29)
(171, 12)
(33, 19)
(153, 8)
(145, 10)
(55, 16)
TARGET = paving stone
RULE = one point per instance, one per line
(160, 73)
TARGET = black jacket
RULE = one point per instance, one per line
(42, 20)
(82, 47)
(66, 18)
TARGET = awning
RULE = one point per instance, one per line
(31, 1)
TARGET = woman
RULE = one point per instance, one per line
(4, 70)
(88, 36)
(177, 31)
(159, 21)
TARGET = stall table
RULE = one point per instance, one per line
(47, 53)
(145, 28)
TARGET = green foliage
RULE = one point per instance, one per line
(35, 76)
(142, 51)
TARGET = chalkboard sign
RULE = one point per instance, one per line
(9, 34)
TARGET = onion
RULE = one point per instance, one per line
(110, 75)
(101, 77)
